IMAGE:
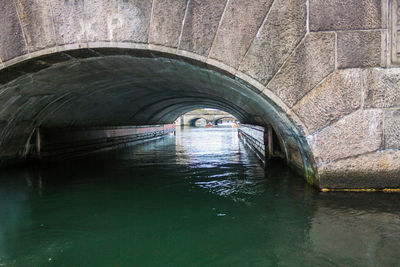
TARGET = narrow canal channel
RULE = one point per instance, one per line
(195, 199)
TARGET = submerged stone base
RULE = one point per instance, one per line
(56, 144)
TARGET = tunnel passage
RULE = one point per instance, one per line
(122, 90)
(203, 116)
(198, 122)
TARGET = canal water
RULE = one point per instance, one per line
(197, 199)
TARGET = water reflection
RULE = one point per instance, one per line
(219, 162)
(195, 199)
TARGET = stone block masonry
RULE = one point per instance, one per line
(324, 74)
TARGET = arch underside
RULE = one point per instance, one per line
(320, 72)
(197, 122)
(121, 90)
(218, 120)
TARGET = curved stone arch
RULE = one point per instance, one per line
(187, 104)
(186, 107)
(155, 25)
(34, 62)
(319, 50)
(163, 113)
(193, 121)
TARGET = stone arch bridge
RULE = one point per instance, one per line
(323, 75)
(213, 116)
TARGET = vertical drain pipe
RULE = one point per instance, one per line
(38, 145)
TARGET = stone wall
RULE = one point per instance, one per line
(55, 144)
(324, 74)
(253, 137)
(352, 137)
(237, 47)
(264, 142)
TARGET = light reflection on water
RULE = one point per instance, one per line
(199, 199)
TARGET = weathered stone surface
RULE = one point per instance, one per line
(166, 22)
(345, 14)
(68, 19)
(392, 129)
(393, 31)
(239, 25)
(200, 25)
(295, 158)
(101, 20)
(376, 170)
(37, 22)
(117, 20)
(282, 30)
(112, 83)
(313, 60)
(340, 140)
(12, 43)
(358, 49)
(135, 20)
(382, 88)
(337, 96)
(9, 106)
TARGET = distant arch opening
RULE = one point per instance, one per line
(198, 122)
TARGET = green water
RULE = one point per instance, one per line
(197, 199)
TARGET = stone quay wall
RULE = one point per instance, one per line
(56, 144)
(253, 137)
